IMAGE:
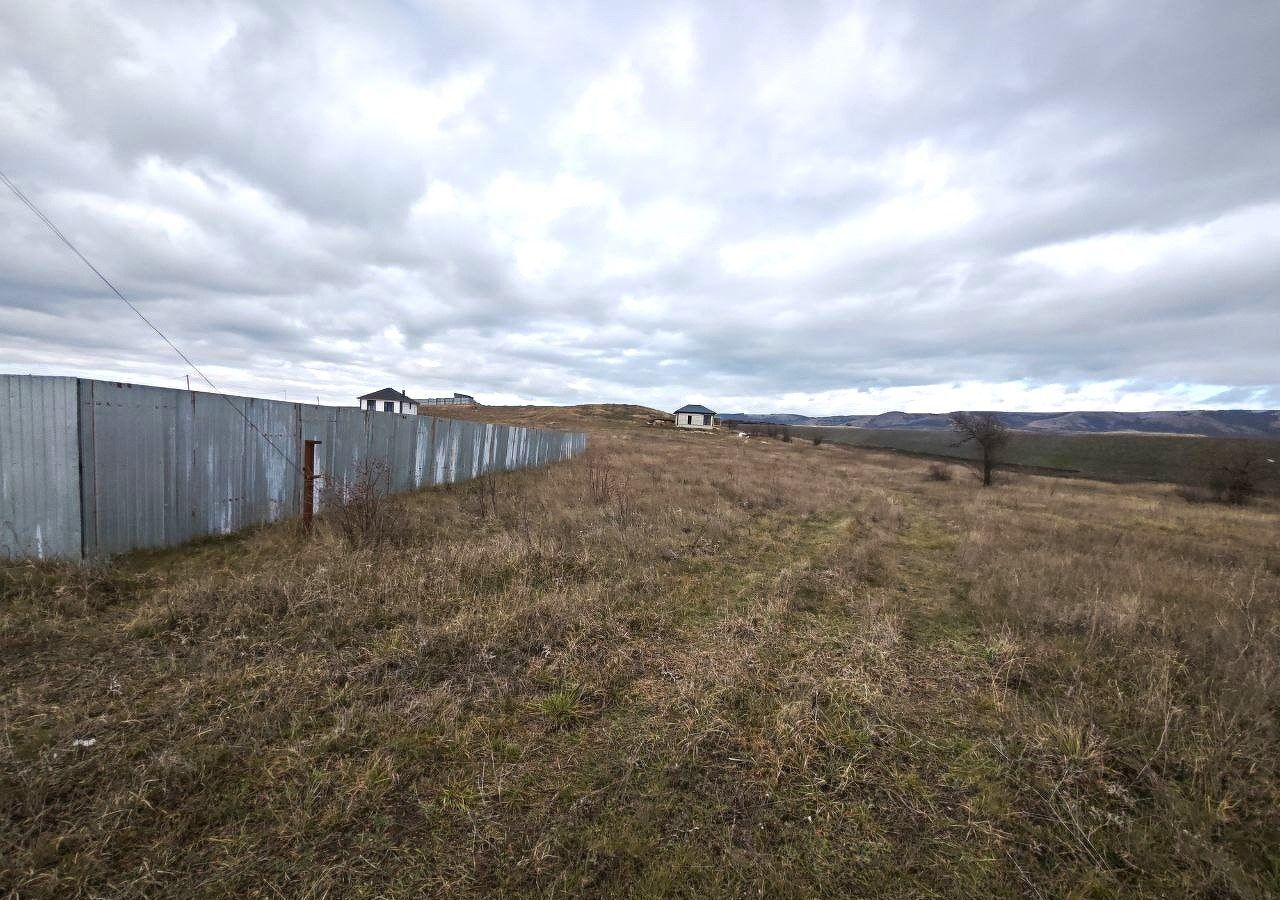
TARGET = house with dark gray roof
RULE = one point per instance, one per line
(695, 416)
(389, 400)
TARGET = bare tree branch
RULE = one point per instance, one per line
(988, 432)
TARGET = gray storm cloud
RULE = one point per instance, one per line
(836, 209)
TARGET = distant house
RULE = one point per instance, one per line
(389, 400)
(695, 416)
(456, 400)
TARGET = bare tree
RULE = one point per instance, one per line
(988, 432)
(1236, 471)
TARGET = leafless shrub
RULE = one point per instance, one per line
(485, 489)
(1234, 477)
(624, 507)
(818, 439)
(1229, 476)
(938, 472)
(607, 489)
(988, 433)
(599, 479)
(361, 509)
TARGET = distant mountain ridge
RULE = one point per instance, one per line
(1251, 423)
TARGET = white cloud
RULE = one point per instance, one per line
(898, 222)
(849, 62)
(413, 113)
(832, 208)
(1125, 252)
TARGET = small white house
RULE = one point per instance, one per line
(389, 400)
(695, 416)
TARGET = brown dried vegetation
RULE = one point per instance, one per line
(685, 664)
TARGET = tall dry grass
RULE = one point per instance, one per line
(683, 664)
(1147, 673)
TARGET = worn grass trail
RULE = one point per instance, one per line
(686, 666)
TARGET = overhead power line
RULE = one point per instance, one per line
(174, 347)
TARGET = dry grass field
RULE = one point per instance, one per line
(1184, 459)
(685, 665)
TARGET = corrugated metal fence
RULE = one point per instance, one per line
(94, 468)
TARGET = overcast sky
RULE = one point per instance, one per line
(802, 207)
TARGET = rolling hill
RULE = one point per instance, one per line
(1247, 423)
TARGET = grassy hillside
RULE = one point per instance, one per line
(1117, 457)
(686, 665)
(590, 416)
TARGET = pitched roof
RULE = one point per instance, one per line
(695, 408)
(388, 394)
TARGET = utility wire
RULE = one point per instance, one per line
(62, 237)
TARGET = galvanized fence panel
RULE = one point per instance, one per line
(515, 447)
(39, 458)
(134, 467)
(465, 456)
(422, 447)
(350, 446)
(382, 438)
(94, 468)
(403, 452)
(445, 450)
(273, 469)
(220, 444)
